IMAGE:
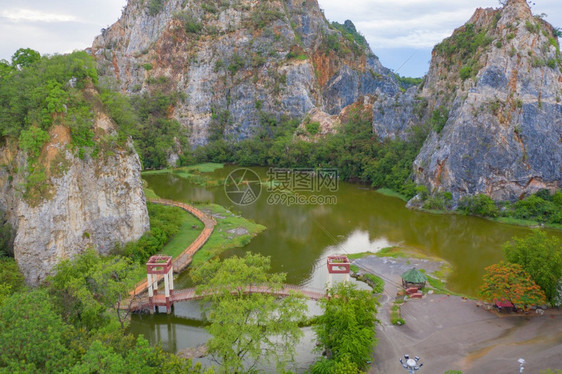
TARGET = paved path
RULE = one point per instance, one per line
(185, 258)
(450, 332)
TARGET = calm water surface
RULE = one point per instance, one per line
(299, 237)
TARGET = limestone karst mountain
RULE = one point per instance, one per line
(67, 183)
(491, 96)
(236, 61)
(493, 99)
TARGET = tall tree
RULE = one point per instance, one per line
(249, 329)
(346, 329)
(24, 57)
(541, 256)
(33, 337)
(510, 282)
(90, 289)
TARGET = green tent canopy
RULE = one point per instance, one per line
(414, 276)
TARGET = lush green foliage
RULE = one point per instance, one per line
(155, 7)
(89, 289)
(146, 119)
(407, 82)
(191, 24)
(439, 201)
(38, 91)
(248, 329)
(540, 207)
(355, 151)
(463, 48)
(346, 329)
(479, 205)
(355, 39)
(510, 282)
(25, 57)
(439, 118)
(33, 337)
(71, 326)
(541, 256)
(165, 222)
(11, 279)
(6, 235)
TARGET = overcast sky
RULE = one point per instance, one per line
(401, 32)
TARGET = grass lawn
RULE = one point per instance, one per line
(524, 222)
(222, 239)
(391, 193)
(190, 229)
(193, 173)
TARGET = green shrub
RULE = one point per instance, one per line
(236, 63)
(534, 207)
(313, 128)
(165, 222)
(439, 119)
(439, 201)
(191, 24)
(465, 72)
(532, 27)
(155, 7)
(32, 140)
(480, 205)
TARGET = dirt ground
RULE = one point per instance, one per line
(450, 332)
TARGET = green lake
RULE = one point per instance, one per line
(299, 237)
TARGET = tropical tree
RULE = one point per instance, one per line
(25, 57)
(33, 337)
(91, 287)
(540, 255)
(248, 329)
(346, 329)
(510, 282)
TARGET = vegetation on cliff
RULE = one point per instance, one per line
(355, 151)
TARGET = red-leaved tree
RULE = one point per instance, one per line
(509, 282)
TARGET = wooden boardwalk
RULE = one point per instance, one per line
(185, 258)
(190, 294)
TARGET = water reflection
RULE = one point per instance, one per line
(300, 237)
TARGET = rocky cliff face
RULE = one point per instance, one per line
(90, 202)
(234, 61)
(492, 98)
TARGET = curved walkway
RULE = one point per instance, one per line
(184, 258)
(190, 294)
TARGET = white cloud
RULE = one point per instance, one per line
(395, 29)
(32, 15)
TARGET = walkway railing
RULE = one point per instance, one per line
(191, 294)
(184, 258)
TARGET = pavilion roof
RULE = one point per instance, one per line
(414, 276)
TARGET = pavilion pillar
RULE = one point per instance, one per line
(171, 276)
(150, 292)
(167, 292)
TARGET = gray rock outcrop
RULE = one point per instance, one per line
(95, 202)
(243, 58)
(498, 78)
